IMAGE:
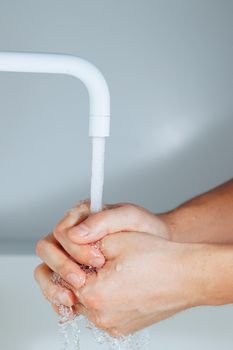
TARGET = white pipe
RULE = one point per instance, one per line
(70, 65)
(99, 97)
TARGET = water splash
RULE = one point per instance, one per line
(70, 332)
(136, 341)
(69, 328)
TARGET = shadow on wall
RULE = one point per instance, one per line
(164, 184)
(159, 185)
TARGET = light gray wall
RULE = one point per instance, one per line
(169, 67)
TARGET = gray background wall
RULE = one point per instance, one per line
(169, 68)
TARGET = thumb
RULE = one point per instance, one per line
(127, 217)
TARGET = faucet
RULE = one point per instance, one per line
(99, 101)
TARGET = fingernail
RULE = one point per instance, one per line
(76, 280)
(71, 216)
(97, 262)
(77, 293)
(80, 230)
(68, 221)
(70, 211)
(64, 298)
(95, 252)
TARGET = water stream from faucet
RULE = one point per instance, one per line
(69, 325)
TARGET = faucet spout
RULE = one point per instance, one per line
(99, 98)
(77, 67)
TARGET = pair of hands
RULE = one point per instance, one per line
(141, 276)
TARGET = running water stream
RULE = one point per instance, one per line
(69, 324)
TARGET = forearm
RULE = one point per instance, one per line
(206, 218)
(214, 274)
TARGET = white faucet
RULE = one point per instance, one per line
(99, 99)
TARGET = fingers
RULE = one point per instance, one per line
(113, 245)
(122, 218)
(81, 310)
(59, 261)
(57, 295)
(74, 216)
(66, 313)
(56, 308)
(87, 255)
(91, 315)
(84, 254)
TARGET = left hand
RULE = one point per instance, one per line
(61, 250)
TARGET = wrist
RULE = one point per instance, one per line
(184, 225)
(173, 224)
(184, 264)
(215, 274)
(191, 266)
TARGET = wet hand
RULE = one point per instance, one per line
(144, 280)
(63, 255)
(79, 228)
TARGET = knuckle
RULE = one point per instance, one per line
(129, 207)
(37, 272)
(40, 247)
(81, 253)
(102, 321)
(114, 332)
(57, 232)
(52, 295)
(92, 300)
(87, 225)
(55, 308)
(134, 213)
(64, 267)
(85, 203)
(97, 220)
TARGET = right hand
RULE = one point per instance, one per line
(145, 279)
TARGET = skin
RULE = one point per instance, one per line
(148, 267)
(206, 218)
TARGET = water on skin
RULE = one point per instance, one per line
(69, 328)
(70, 332)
